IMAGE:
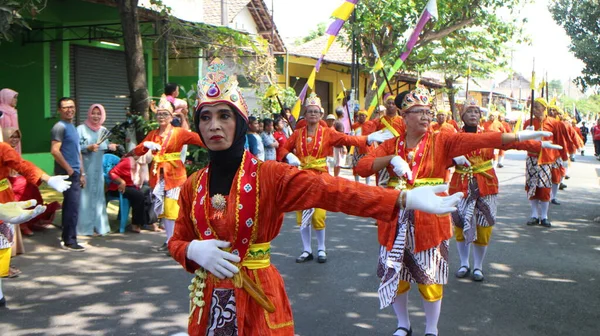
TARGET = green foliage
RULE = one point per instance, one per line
(12, 13)
(588, 107)
(270, 106)
(320, 31)
(555, 86)
(580, 20)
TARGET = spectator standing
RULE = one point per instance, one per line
(596, 137)
(255, 143)
(68, 161)
(269, 140)
(584, 135)
(8, 105)
(93, 218)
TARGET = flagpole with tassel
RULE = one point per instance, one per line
(379, 66)
(532, 93)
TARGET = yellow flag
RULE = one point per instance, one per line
(296, 109)
(341, 95)
(370, 111)
(271, 91)
(532, 86)
(344, 11)
(378, 65)
(329, 43)
(542, 85)
(311, 79)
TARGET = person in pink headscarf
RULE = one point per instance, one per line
(93, 218)
(8, 105)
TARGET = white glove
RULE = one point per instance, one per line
(462, 161)
(549, 144)
(208, 254)
(379, 136)
(401, 167)
(151, 145)
(59, 182)
(425, 199)
(292, 160)
(15, 213)
(529, 128)
(532, 135)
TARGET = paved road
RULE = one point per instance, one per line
(538, 281)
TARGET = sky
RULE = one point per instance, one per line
(549, 41)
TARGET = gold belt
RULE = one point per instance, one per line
(4, 184)
(395, 181)
(481, 168)
(168, 157)
(315, 164)
(259, 256)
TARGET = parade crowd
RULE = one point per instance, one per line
(435, 179)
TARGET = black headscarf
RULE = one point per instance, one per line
(224, 164)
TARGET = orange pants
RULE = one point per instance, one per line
(558, 174)
(541, 194)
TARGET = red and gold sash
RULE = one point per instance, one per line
(318, 142)
(246, 206)
(415, 161)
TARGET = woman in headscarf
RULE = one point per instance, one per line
(24, 190)
(415, 248)
(232, 209)
(8, 105)
(93, 218)
(167, 171)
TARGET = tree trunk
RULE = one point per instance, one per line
(134, 57)
(451, 91)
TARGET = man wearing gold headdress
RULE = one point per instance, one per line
(312, 144)
(539, 175)
(167, 172)
(476, 178)
(441, 124)
(414, 249)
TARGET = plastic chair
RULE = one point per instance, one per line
(108, 162)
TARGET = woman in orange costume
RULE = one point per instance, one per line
(167, 172)
(312, 144)
(415, 248)
(476, 178)
(232, 209)
(542, 169)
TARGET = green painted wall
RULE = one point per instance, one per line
(44, 161)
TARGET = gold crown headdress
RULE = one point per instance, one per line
(313, 100)
(164, 104)
(420, 96)
(218, 87)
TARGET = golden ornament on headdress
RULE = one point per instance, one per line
(164, 104)
(420, 96)
(218, 87)
(313, 100)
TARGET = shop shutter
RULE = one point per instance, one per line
(99, 77)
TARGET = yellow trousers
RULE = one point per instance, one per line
(430, 293)
(318, 219)
(171, 209)
(5, 260)
(484, 233)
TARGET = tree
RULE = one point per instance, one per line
(386, 24)
(134, 57)
(555, 87)
(12, 21)
(580, 20)
(320, 31)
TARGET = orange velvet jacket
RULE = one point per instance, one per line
(575, 141)
(366, 128)
(11, 160)
(454, 124)
(174, 171)
(397, 123)
(330, 138)
(440, 149)
(507, 127)
(493, 126)
(487, 181)
(282, 188)
(559, 137)
(445, 127)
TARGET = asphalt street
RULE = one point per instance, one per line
(538, 281)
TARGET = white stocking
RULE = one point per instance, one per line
(544, 210)
(368, 180)
(400, 306)
(320, 239)
(554, 191)
(305, 234)
(356, 178)
(463, 253)
(534, 208)
(501, 159)
(1, 293)
(169, 227)
(432, 315)
(478, 256)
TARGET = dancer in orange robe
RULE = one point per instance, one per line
(415, 249)
(167, 171)
(441, 124)
(476, 178)
(311, 145)
(542, 169)
(506, 129)
(361, 128)
(232, 209)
